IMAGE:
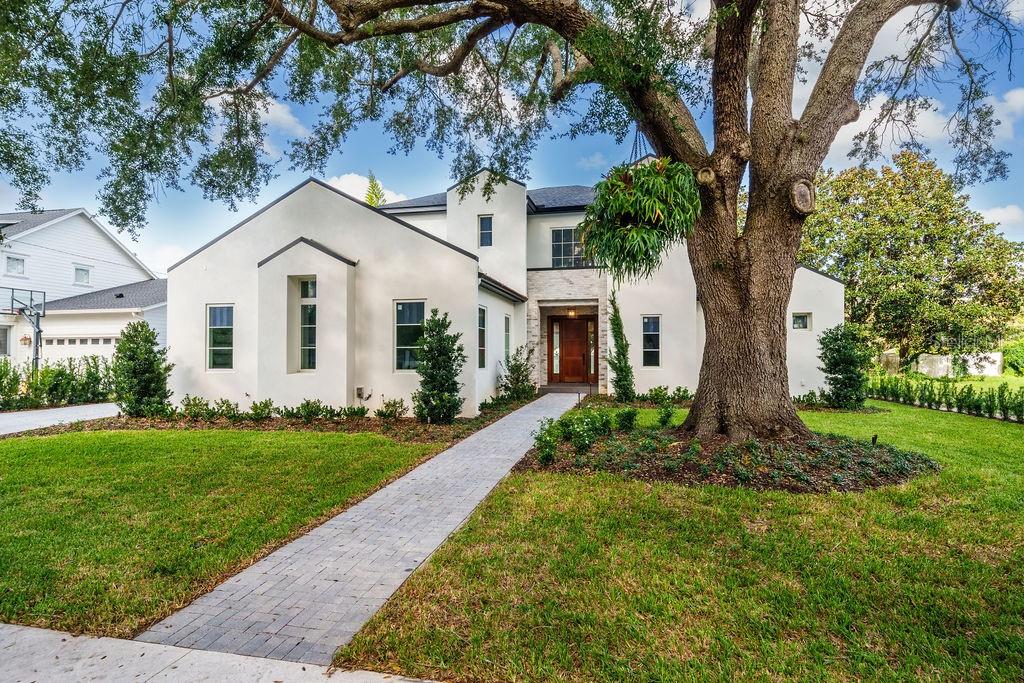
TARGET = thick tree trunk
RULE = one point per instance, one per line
(744, 285)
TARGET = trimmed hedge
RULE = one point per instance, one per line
(1002, 402)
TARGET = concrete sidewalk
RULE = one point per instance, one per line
(304, 600)
(23, 420)
(38, 655)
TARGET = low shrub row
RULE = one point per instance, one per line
(581, 428)
(198, 408)
(64, 383)
(1001, 402)
(661, 395)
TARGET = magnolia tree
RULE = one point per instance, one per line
(177, 91)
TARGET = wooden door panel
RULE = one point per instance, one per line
(574, 351)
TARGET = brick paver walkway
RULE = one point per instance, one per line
(309, 597)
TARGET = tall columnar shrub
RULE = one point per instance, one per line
(846, 357)
(618, 361)
(140, 371)
(515, 382)
(440, 359)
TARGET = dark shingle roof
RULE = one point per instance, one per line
(135, 295)
(17, 222)
(544, 199)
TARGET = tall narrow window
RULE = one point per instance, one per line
(5, 341)
(508, 338)
(652, 341)
(408, 330)
(481, 337)
(220, 335)
(307, 324)
(486, 230)
(556, 348)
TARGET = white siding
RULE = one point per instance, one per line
(52, 253)
(157, 319)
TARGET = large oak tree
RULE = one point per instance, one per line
(173, 91)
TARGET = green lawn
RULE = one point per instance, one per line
(104, 532)
(1014, 381)
(599, 578)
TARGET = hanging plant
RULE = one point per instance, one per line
(640, 212)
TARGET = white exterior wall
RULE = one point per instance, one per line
(157, 319)
(497, 308)
(394, 263)
(434, 222)
(824, 299)
(671, 294)
(505, 261)
(51, 254)
(539, 227)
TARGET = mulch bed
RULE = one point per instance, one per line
(406, 429)
(829, 463)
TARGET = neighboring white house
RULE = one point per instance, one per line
(66, 263)
(319, 295)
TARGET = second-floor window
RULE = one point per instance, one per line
(15, 265)
(486, 230)
(566, 249)
(81, 275)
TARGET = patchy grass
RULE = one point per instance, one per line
(600, 578)
(106, 532)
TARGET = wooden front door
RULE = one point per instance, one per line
(571, 352)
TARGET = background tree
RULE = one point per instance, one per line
(374, 192)
(170, 91)
(618, 360)
(923, 271)
(440, 358)
(140, 370)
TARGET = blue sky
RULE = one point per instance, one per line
(180, 222)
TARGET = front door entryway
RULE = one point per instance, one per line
(572, 349)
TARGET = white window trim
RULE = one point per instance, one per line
(309, 301)
(810, 321)
(206, 342)
(75, 267)
(24, 259)
(394, 333)
(642, 333)
(479, 229)
(480, 348)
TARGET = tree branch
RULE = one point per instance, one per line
(774, 69)
(562, 81)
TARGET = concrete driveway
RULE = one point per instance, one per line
(22, 420)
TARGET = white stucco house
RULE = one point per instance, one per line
(318, 295)
(83, 281)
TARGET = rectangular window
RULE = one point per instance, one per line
(60, 342)
(49, 342)
(15, 265)
(481, 324)
(307, 324)
(72, 342)
(220, 335)
(556, 348)
(96, 342)
(486, 230)
(508, 337)
(83, 342)
(566, 249)
(5, 341)
(801, 321)
(81, 275)
(408, 330)
(652, 341)
(106, 341)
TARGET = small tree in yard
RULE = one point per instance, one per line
(846, 357)
(618, 361)
(440, 359)
(140, 370)
(515, 383)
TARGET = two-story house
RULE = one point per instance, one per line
(85, 282)
(318, 295)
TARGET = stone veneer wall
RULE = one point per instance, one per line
(552, 292)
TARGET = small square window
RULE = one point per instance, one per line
(307, 289)
(81, 275)
(801, 321)
(15, 265)
(49, 342)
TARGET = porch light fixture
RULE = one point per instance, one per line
(571, 312)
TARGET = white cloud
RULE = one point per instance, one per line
(930, 129)
(159, 257)
(1009, 217)
(356, 185)
(1009, 109)
(595, 162)
(281, 117)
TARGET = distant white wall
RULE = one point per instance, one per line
(394, 263)
(52, 253)
(497, 308)
(434, 222)
(823, 298)
(984, 364)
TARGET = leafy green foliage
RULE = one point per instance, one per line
(515, 381)
(625, 419)
(923, 271)
(440, 359)
(261, 411)
(375, 191)
(618, 361)
(140, 371)
(1002, 401)
(846, 357)
(67, 382)
(639, 213)
(392, 409)
(1013, 357)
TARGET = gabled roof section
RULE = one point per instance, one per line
(821, 273)
(137, 295)
(317, 181)
(312, 243)
(14, 223)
